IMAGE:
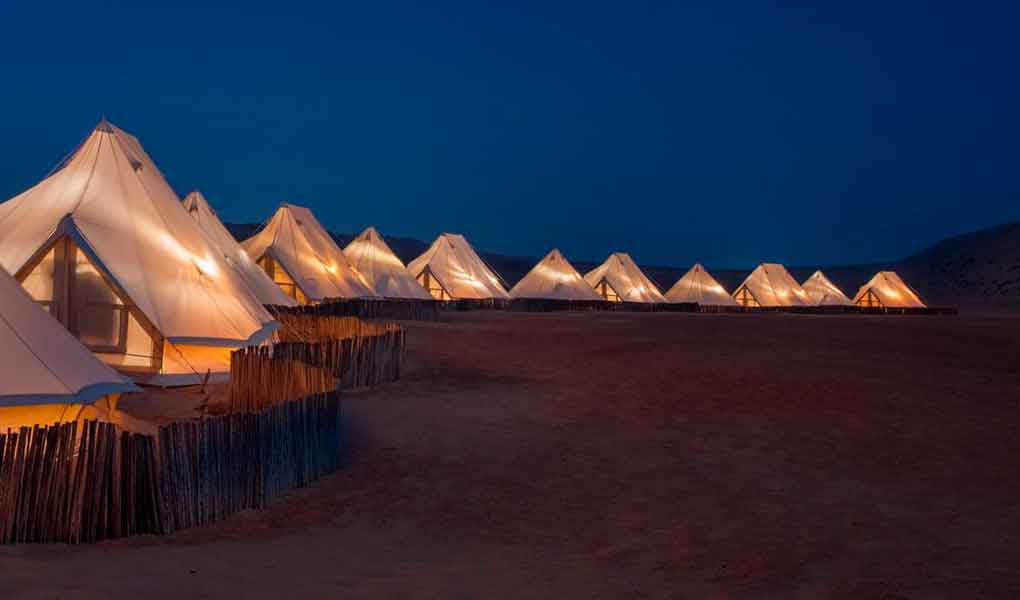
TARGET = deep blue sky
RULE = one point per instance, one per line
(727, 133)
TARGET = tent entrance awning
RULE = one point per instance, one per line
(66, 279)
(282, 278)
(432, 284)
(745, 297)
(604, 289)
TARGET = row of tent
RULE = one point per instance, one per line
(769, 285)
(297, 253)
(159, 289)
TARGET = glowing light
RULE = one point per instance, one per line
(206, 265)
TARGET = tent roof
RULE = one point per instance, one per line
(823, 292)
(626, 278)
(772, 285)
(296, 239)
(373, 258)
(456, 265)
(43, 363)
(554, 278)
(110, 197)
(891, 290)
(698, 285)
(254, 277)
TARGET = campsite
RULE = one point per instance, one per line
(656, 300)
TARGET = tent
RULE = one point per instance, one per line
(619, 279)
(822, 292)
(553, 278)
(698, 285)
(258, 282)
(47, 376)
(771, 285)
(887, 290)
(451, 270)
(105, 245)
(377, 263)
(302, 258)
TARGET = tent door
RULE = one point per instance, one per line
(607, 292)
(282, 279)
(432, 285)
(744, 297)
(869, 300)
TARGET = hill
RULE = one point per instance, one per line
(975, 267)
(982, 267)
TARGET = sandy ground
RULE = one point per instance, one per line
(626, 455)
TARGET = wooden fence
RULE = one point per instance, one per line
(77, 482)
(315, 354)
(89, 481)
(551, 305)
(383, 309)
(215, 467)
(259, 379)
(314, 328)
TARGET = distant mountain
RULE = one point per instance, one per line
(974, 268)
(971, 268)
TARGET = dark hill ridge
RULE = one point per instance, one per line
(974, 268)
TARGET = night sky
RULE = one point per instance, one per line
(728, 133)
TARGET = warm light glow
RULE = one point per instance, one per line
(205, 264)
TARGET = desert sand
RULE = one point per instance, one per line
(630, 455)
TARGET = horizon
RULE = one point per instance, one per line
(806, 136)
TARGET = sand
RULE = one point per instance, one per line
(631, 455)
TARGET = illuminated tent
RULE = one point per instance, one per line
(553, 278)
(451, 270)
(822, 292)
(887, 290)
(619, 279)
(698, 285)
(47, 376)
(256, 279)
(771, 285)
(377, 263)
(302, 258)
(106, 246)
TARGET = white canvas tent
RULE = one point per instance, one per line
(822, 292)
(373, 258)
(770, 285)
(301, 257)
(698, 285)
(106, 246)
(451, 270)
(256, 279)
(619, 279)
(42, 362)
(887, 290)
(553, 278)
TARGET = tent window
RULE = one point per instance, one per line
(432, 285)
(77, 294)
(99, 317)
(744, 297)
(39, 282)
